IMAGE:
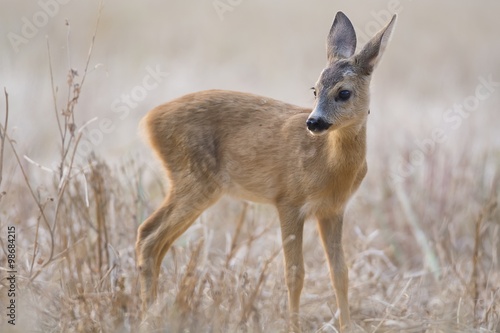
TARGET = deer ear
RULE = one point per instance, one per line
(371, 53)
(341, 42)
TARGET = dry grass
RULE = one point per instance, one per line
(423, 252)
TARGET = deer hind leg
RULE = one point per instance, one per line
(330, 230)
(155, 236)
(292, 226)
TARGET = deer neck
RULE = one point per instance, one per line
(347, 146)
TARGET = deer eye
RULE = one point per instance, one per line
(314, 91)
(344, 95)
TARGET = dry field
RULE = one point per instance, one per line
(422, 234)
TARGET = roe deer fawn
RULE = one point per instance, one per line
(305, 162)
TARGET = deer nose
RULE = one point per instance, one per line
(317, 124)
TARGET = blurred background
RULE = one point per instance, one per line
(433, 131)
(277, 49)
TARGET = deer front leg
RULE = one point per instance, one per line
(330, 230)
(292, 226)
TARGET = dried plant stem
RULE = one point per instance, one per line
(69, 126)
(429, 255)
(54, 96)
(248, 307)
(64, 183)
(392, 305)
(475, 259)
(487, 210)
(32, 192)
(3, 131)
(234, 240)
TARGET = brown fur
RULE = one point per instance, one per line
(222, 142)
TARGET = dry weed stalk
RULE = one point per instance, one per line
(100, 194)
(40, 205)
(188, 300)
(248, 306)
(234, 241)
(3, 131)
(475, 280)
